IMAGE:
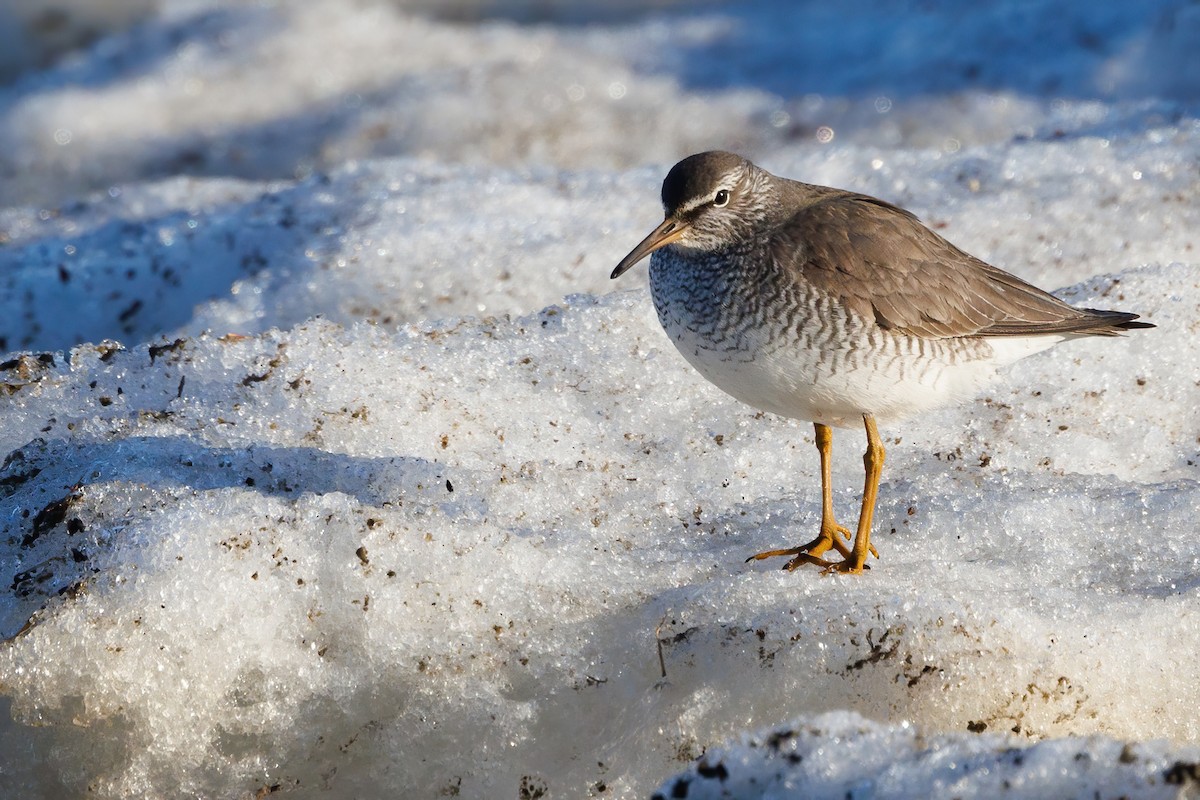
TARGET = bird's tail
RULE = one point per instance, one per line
(1099, 322)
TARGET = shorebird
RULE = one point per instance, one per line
(837, 308)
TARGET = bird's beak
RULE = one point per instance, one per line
(669, 231)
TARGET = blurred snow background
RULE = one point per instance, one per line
(335, 469)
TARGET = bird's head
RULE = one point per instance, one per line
(709, 200)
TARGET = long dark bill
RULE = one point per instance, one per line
(669, 231)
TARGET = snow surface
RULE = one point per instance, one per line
(873, 760)
(337, 467)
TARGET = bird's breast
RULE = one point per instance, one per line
(727, 306)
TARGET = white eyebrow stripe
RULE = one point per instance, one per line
(695, 203)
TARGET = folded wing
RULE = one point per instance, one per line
(886, 266)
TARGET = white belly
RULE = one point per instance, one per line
(836, 387)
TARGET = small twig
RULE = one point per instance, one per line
(662, 662)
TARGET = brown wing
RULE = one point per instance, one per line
(885, 265)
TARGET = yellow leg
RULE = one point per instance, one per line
(830, 534)
(830, 530)
(873, 463)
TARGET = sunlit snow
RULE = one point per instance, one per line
(337, 467)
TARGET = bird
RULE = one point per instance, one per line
(837, 308)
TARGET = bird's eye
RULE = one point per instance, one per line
(722, 198)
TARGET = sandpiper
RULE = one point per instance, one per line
(835, 307)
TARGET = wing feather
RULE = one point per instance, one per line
(884, 265)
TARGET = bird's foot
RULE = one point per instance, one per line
(841, 548)
(800, 555)
(806, 553)
(845, 567)
(847, 535)
(799, 558)
(830, 538)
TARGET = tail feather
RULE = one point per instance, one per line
(1112, 323)
(1088, 322)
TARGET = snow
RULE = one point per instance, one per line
(873, 760)
(337, 467)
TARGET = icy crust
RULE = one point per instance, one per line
(460, 556)
(841, 755)
(382, 555)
